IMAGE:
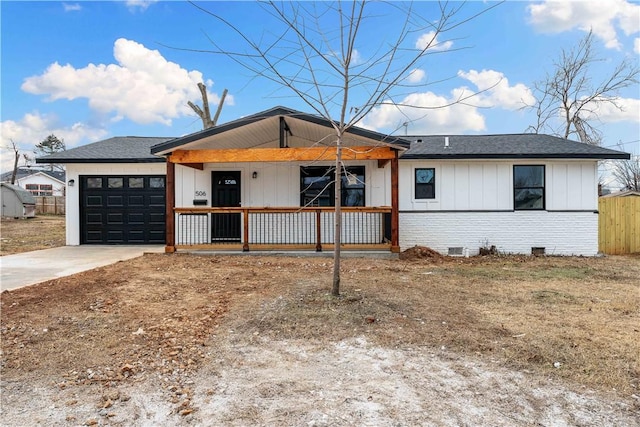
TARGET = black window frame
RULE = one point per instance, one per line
(418, 186)
(532, 187)
(310, 196)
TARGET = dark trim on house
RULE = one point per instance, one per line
(63, 160)
(621, 156)
(503, 211)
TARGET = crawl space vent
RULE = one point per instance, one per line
(456, 250)
(537, 251)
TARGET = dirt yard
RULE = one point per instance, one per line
(24, 235)
(246, 340)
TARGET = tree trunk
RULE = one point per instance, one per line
(15, 164)
(337, 239)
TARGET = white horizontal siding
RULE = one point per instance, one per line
(561, 233)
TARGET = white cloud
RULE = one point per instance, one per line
(456, 113)
(68, 7)
(456, 118)
(416, 75)
(636, 45)
(606, 112)
(143, 86)
(35, 127)
(430, 40)
(142, 5)
(496, 92)
(599, 16)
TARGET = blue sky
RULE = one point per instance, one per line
(87, 70)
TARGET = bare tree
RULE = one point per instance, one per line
(319, 53)
(627, 172)
(205, 113)
(16, 159)
(567, 99)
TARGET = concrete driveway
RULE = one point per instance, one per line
(29, 268)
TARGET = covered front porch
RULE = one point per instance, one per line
(266, 182)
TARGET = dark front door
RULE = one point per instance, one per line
(225, 189)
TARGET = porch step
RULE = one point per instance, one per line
(297, 254)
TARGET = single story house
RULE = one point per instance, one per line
(266, 182)
(16, 202)
(37, 181)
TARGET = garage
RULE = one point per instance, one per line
(122, 209)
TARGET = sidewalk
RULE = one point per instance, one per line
(29, 268)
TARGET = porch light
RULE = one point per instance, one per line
(254, 175)
(71, 182)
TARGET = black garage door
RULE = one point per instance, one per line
(122, 209)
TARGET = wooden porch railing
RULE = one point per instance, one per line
(288, 228)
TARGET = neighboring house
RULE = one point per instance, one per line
(265, 182)
(38, 182)
(626, 193)
(16, 202)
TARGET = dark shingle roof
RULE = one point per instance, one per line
(516, 146)
(119, 149)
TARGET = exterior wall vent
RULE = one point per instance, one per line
(537, 251)
(456, 251)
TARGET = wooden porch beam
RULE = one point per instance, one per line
(279, 154)
(199, 166)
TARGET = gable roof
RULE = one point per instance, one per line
(515, 146)
(119, 149)
(25, 172)
(23, 195)
(264, 127)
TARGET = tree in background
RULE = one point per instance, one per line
(319, 53)
(627, 172)
(568, 98)
(48, 146)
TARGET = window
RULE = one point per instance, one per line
(115, 182)
(94, 182)
(317, 187)
(528, 187)
(157, 182)
(136, 182)
(425, 179)
(40, 189)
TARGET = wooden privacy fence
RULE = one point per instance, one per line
(52, 205)
(619, 225)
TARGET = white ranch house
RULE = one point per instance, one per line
(264, 182)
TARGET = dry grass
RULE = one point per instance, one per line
(522, 312)
(24, 235)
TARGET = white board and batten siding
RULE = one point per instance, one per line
(75, 170)
(473, 207)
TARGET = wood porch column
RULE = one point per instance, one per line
(170, 201)
(395, 218)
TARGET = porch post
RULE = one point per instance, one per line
(170, 201)
(395, 218)
(245, 234)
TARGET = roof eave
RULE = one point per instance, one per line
(144, 160)
(593, 156)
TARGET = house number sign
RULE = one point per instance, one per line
(201, 193)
